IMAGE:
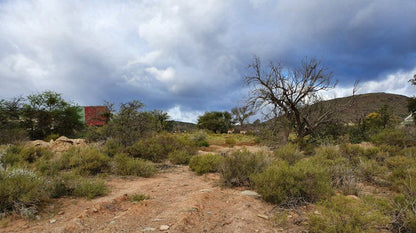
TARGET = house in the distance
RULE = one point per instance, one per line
(93, 115)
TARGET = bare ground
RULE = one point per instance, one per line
(178, 198)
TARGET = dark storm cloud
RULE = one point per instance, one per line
(186, 57)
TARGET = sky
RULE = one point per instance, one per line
(189, 56)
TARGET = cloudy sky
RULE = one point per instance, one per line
(189, 56)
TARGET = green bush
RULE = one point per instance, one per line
(127, 166)
(393, 137)
(409, 152)
(289, 153)
(370, 171)
(352, 152)
(327, 153)
(24, 155)
(341, 214)
(179, 157)
(292, 185)
(90, 188)
(138, 197)
(200, 139)
(158, 148)
(230, 142)
(63, 184)
(21, 191)
(87, 161)
(111, 147)
(405, 203)
(237, 168)
(205, 163)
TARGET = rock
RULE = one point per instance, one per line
(52, 221)
(113, 222)
(61, 212)
(164, 227)
(249, 193)
(353, 197)
(149, 229)
(263, 216)
(94, 210)
(316, 212)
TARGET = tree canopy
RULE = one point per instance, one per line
(218, 122)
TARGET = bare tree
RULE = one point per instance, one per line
(292, 93)
(241, 114)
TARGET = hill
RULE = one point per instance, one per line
(364, 104)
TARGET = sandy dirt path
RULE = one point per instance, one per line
(178, 199)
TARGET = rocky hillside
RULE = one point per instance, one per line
(364, 104)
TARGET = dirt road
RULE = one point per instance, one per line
(179, 201)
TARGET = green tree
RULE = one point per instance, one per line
(11, 129)
(218, 122)
(48, 113)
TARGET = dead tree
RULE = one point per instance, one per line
(241, 114)
(293, 93)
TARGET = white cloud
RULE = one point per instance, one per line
(178, 114)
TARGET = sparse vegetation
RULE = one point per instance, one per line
(289, 185)
(202, 164)
(237, 168)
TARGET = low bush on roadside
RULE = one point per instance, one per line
(127, 166)
(87, 161)
(157, 149)
(199, 139)
(292, 185)
(289, 153)
(21, 191)
(205, 163)
(230, 142)
(372, 172)
(138, 197)
(340, 170)
(237, 168)
(90, 188)
(24, 155)
(349, 215)
(179, 157)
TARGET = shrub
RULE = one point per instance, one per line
(127, 166)
(343, 214)
(21, 191)
(405, 203)
(352, 152)
(200, 139)
(409, 152)
(88, 161)
(391, 137)
(11, 156)
(90, 188)
(179, 157)
(63, 184)
(230, 142)
(111, 147)
(138, 197)
(291, 185)
(158, 148)
(327, 153)
(50, 137)
(205, 163)
(370, 171)
(289, 153)
(237, 168)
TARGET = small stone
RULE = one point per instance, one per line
(61, 212)
(149, 229)
(37, 217)
(263, 216)
(353, 197)
(112, 222)
(316, 212)
(164, 227)
(94, 210)
(249, 193)
(52, 221)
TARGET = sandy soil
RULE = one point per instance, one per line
(178, 198)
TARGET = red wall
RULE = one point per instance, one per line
(94, 115)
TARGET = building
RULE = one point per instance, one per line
(93, 115)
